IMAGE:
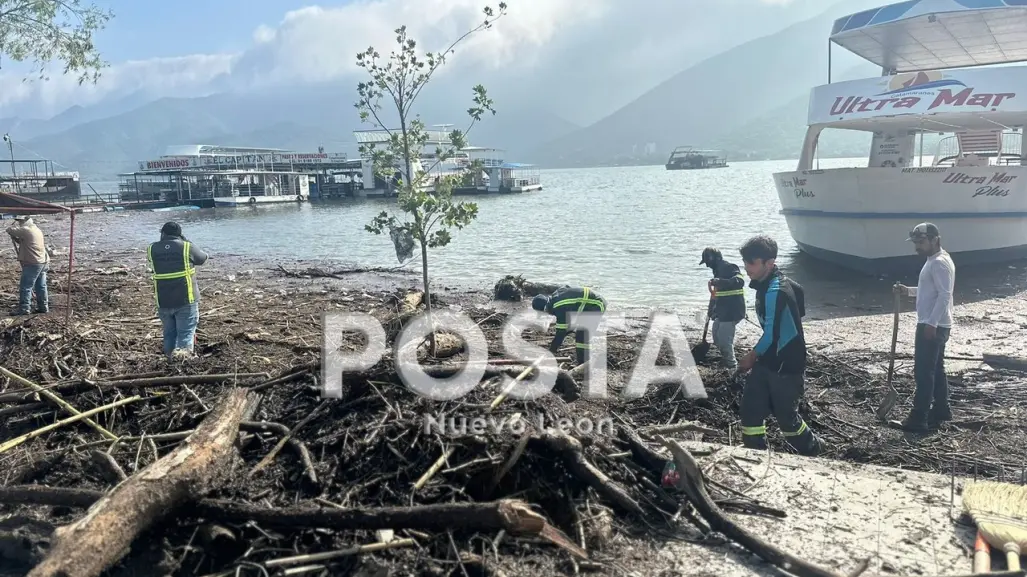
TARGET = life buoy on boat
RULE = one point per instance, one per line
(253, 200)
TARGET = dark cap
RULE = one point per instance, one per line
(710, 255)
(924, 230)
(171, 229)
(21, 217)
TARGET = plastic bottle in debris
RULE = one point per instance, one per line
(670, 477)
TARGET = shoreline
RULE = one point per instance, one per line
(679, 284)
(988, 323)
(368, 449)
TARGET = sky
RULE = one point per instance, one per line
(581, 59)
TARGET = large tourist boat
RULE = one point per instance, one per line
(938, 77)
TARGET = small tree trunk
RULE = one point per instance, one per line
(432, 344)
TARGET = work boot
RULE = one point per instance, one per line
(42, 311)
(916, 422)
(938, 416)
(815, 448)
(19, 312)
(182, 355)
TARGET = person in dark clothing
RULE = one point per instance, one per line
(778, 361)
(566, 300)
(172, 260)
(728, 303)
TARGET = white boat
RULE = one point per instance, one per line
(252, 188)
(496, 176)
(936, 78)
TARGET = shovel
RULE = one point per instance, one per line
(893, 395)
(700, 350)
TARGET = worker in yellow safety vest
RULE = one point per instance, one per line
(172, 260)
(727, 292)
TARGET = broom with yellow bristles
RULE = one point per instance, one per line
(1000, 511)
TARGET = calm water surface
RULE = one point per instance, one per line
(635, 233)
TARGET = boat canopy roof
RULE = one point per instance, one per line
(214, 149)
(697, 150)
(936, 34)
(382, 136)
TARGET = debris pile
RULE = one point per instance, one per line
(516, 288)
(383, 477)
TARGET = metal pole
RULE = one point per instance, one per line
(71, 262)
(14, 173)
(828, 61)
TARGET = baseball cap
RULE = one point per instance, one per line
(21, 217)
(924, 230)
(171, 229)
(708, 254)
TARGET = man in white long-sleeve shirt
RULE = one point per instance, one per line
(934, 322)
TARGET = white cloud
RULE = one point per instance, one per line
(579, 58)
(316, 44)
(159, 76)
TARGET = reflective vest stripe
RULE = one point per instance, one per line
(187, 273)
(754, 431)
(149, 258)
(733, 293)
(801, 430)
(582, 302)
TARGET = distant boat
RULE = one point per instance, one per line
(38, 180)
(688, 158)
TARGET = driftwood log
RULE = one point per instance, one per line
(513, 516)
(1005, 362)
(103, 536)
(574, 457)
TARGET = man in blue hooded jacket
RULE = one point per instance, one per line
(778, 361)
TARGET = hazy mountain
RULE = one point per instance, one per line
(297, 120)
(27, 129)
(712, 98)
(778, 134)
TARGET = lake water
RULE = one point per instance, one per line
(634, 233)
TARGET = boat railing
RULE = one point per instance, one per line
(522, 180)
(985, 148)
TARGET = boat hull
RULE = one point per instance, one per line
(860, 218)
(239, 201)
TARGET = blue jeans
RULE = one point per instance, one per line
(179, 327)
(932, 386)
(33, 279)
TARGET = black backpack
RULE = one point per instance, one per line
(800, 296)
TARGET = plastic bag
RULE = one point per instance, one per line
(403, 240)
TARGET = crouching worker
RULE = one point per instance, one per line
(172, 259)
(778, 361)
(576, 300)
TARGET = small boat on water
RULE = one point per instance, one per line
(689, 158)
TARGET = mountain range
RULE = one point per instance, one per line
(749, 100)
